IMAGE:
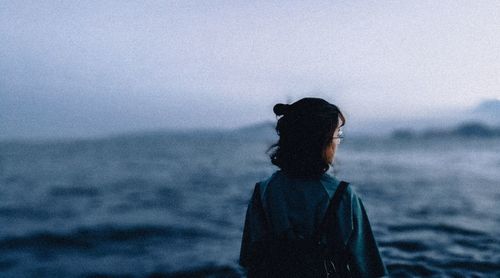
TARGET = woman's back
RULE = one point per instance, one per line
(297, 206)
(284, 207)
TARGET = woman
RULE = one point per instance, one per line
(297, 203)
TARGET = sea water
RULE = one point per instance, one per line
(173, 204)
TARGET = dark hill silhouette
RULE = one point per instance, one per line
(466, 129)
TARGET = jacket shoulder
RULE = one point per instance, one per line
(348, 206)
(263, 184)
(331, 183)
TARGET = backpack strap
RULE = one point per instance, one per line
(263, 186)
(331, 210)
(259, 205)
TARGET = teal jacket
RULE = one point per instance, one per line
(296, 207)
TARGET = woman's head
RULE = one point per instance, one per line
(306, 130)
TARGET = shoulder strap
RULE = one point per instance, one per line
(259, 204)
(332, 207)
(263, 186)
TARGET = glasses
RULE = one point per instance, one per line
(340, 137)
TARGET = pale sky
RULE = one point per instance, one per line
(84, 68)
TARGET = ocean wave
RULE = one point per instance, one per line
(30, 213)
(74, 191)
(98, 237)
(201, 272)
(446, 228)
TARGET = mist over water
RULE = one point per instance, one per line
(173, 204)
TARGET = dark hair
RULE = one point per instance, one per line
(305, 130)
